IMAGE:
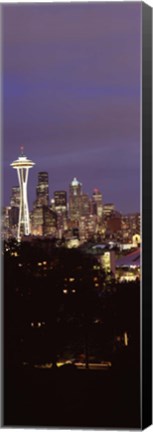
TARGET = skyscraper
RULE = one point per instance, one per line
(60, 208)
(84, 205)
(14, 207)
(37, 221)
(42, 189)
(49, 222)
(75, 188)
(60, 198)
(15, 197)
(74, 200)
(40, 205)
(22, 165)
(97, 203)
(108, 209)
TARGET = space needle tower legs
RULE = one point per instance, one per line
(22, 165)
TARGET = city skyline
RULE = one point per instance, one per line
(76, 217)
(51, 194)
(72, 99)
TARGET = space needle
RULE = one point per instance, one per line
(22, 165)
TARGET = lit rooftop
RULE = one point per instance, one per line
(75, 182)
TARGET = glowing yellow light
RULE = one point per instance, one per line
(39, 264)
(125, 339)
(129, 277)
(14, 254)
(96, 267)
(73, 290)
(59, 364)
(71, 279)
(44, 262)
(65, 291)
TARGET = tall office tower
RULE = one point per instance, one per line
(5, 223)
(15, 205)
(14, 216)
(87, 227)
(130, 225)
(22, 165)
(97, 204)
(114, 225)
(134, 220)
(60, 199)
(42, 189)
(108, 209)
(49, 222)
(60, 208)
(84, 205)
(75, 190)
(15, 197)
(37, 221)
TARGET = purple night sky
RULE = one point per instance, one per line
(71, 96)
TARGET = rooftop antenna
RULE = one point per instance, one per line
(22, 150)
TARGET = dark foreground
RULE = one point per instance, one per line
(68, 397)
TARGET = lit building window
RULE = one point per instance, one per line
(96, 267)
(125, 339)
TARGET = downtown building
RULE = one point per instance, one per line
(97, 204)
(85, 213)
(75, 194)
(42, 189)
(15, 205)
(79, 202)
(59, 204)
(131, 227)
(14, 210)
(43, 218)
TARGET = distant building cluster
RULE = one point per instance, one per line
(72, 220)
(75, 219)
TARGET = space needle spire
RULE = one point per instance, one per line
(22, 165)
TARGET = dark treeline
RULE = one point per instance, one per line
(59, 305)
(57, 287)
